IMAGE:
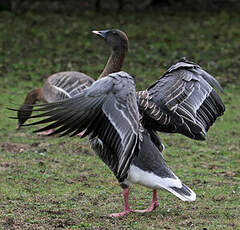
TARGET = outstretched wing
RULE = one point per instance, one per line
(107, 110)
(182, 101)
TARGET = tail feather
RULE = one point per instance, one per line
(174, 185)
(184, 193)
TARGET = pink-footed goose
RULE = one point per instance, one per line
(108, 112)
(182, 101)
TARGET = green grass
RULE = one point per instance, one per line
(48, 182)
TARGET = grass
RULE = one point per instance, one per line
(48, 182)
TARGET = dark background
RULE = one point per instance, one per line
(100, 5)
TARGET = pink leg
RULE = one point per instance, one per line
(81, 134)
(127, 208)
(154, 204)
(45, 133)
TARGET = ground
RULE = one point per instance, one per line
(53, 183)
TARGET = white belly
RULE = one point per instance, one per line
(149, 179)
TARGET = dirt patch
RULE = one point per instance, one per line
(14, 147)
(77, 148)
(58, 219)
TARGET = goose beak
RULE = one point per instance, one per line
(101, 34)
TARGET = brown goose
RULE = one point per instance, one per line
(108, 112)
(57, 87)
(64, 85)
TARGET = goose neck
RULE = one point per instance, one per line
(114, 63)
(33, 96)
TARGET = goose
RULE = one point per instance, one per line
(108, 113)
(183, 100)
(67, 84)
(57, 87)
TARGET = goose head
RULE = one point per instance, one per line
(23, 114)
(116, 39)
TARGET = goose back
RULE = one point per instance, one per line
(64, 85)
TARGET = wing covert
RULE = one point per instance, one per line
(182, 101)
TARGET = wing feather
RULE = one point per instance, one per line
(107, 110)
(182, 101)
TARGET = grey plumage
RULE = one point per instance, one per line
(107, 110)
(150, 158)
(182, 101)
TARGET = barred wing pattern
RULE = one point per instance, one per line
(107, 110)
(182, 101)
